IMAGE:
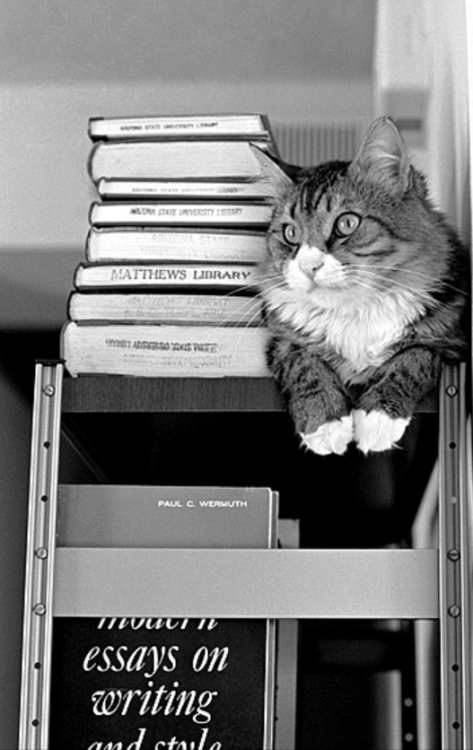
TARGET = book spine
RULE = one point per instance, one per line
(169, 516)
(222, 159)
(162, 275)
(139, 214)
(182, 127)
(181, 245)
(164, 351)
(148, 189)
(190, 309)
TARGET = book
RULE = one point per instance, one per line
(191, 189)
(202, 663)
(182, 126)
(189, 309)
(163, 212)
(174, 159)
(176, 517)
(164, 351)
(179, 244)
(149, 275)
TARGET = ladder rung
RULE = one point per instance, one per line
(378, 584)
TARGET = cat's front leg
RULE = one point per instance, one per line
(316, 398)
(386, 407)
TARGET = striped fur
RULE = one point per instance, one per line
(364, 289)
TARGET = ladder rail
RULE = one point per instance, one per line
(454, 562)
(40, 555)
(466, 614)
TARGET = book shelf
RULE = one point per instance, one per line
(422, 584)
(115, 393)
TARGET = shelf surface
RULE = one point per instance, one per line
(117, 393)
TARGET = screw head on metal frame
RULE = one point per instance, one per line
(49, 390)
(39, 609)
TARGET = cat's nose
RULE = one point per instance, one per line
(310, 259)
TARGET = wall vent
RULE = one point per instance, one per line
(310, 144)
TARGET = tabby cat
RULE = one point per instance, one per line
(363, 288)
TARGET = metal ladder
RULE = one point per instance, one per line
(424, 584)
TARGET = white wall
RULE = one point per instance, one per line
(185, 40)
(469, 37)
(421, 71)
(448, 121)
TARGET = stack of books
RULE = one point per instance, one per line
(168, 286)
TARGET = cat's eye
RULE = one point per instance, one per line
(292, 234)
(346, 224)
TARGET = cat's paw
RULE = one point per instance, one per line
(376, 431)
(331, 437)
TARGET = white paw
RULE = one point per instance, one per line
(376, 430)
(331, 437)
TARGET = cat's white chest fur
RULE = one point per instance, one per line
(358, 329)
(361, 336)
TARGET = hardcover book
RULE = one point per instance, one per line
(176, 159)
(188, 309)
(179, 244)
(191, 189)
(164, 350)
(163, 212)
(176, 517)
(149, 275)
(180, 126)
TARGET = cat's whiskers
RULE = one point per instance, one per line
(310, 299)
(248, 324)
(383, 287)
(239, 290)
(423, 275)
(377, 291)
(374, 284)
(247, 303)
(277, 283)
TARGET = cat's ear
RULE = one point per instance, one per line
(383, 157)
(279, 175)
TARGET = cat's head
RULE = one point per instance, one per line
(352, 230)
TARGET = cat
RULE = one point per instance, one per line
(363, 290)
